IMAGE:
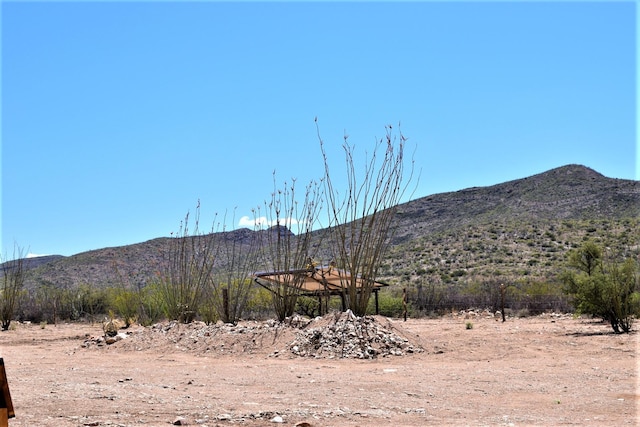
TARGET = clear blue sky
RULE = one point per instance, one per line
(117, 117)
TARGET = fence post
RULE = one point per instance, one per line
(503, 291)
(404, 304)
(225, 304)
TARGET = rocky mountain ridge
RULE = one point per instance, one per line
(517, 228)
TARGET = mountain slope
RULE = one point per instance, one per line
(514, 232)
(569, 192)
(516, 229)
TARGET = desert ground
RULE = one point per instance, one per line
(461, 369)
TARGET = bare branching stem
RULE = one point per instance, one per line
(11, 287)
(190, 257)
(287, 241)
(361, 216)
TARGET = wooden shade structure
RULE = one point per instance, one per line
(318, 282)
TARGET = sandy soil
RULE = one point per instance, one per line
(544, 370)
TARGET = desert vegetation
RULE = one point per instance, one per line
(449, 272)
(510, 248)
(287, 243)
(361, 216)
(11, 287)
(433, 287)
(604, 285)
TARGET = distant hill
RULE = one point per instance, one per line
(32, 262)
(517, 230)
(35, 262)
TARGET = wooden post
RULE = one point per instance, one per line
(503, 291)
(6, 405)
(327, 295)
(404, 304)
(225, 304)
(375, 293)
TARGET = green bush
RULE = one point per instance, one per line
(151, 308)
(260, 304)
(604, 288)
(307, 306)
(125, 303)
(388, 305)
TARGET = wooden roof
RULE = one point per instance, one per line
(317, 280)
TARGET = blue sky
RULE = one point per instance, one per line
(118, 117)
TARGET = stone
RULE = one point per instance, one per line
(110, 329)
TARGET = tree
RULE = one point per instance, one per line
(11, 287)
(587, 258)
(603, 287)
(361, 218)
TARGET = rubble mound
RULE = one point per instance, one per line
(246, 337)
(335, 335)
(344, 335)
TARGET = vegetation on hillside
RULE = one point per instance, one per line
(450, 251)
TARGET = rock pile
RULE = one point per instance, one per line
(348, 336)
(336, 335)
(246, 337)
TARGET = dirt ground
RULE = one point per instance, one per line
(474, 370)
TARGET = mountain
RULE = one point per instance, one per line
(569, 192)
(514, 230)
